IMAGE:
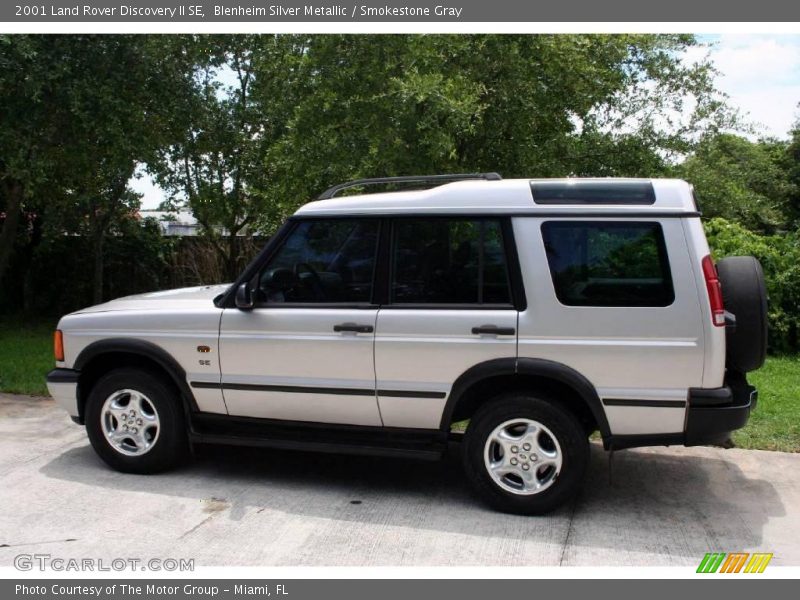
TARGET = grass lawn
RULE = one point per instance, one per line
(26, 355)
(775, 424)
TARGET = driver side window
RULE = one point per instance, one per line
(322, 261)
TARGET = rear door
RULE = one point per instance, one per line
(449, 307)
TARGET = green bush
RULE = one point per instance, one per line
(780, 257)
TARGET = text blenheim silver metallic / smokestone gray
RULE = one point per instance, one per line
(338, 10)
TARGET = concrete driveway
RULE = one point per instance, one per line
(665, 507)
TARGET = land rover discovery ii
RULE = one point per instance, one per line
(537, 311)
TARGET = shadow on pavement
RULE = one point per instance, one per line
(688, 504)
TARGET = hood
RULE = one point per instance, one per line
(188, 298)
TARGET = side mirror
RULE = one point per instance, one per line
(244, 297)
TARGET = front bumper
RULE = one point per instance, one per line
(63, 387)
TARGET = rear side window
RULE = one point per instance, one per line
(602, 263)
(449, 261)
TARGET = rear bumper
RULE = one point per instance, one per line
(711, 416)
(63, 387)
(714, 414)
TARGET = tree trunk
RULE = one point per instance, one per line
(97, 280)
(28, 291)
(13, 194)
(233, 256)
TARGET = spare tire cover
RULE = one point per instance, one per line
(744, 294)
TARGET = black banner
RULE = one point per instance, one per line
(468, 11)
(402, 589)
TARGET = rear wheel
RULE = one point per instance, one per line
(525, 454)
(135, 422)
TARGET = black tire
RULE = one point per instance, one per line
(171, 446)
(565, 427)
(744, 294)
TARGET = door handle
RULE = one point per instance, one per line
(353, 327)
(493, 329)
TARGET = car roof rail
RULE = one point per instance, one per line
(432, 179)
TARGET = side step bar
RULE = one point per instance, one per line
(422, 444)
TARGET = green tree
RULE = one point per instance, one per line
(79, 112)
(791, 165)
(32, 85)
(741, 181)
(216, 167)
(523, 105)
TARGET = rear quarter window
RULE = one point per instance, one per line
(605, 263)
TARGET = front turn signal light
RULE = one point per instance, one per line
(58, 345)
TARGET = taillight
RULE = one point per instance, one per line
(58, 345)
(714, 292)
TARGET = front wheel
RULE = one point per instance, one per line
(525, 454)
(135, 422)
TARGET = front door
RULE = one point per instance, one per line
(305, 352)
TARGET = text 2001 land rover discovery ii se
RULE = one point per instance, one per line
(540, 310)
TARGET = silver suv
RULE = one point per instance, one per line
(538, 311)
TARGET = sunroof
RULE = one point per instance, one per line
(593, 192)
